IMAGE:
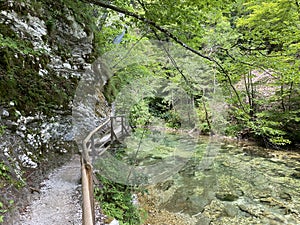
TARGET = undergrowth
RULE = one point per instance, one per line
(116, 202)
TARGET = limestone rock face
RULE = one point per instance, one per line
(68, 45)
(46, 50)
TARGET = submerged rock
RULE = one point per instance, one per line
(226, 196)
(285, 196)
(164, 186)
(231, 210)
(296, 175)
(238, 189)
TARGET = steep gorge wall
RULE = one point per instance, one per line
(46, 49)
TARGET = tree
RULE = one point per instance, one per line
(269, 40)
(244, 40)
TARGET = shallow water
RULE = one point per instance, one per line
(218, 183)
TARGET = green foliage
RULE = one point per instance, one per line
(105, 36)
(122, 79)
(139, 115)
(4, 172)
(203, 125)
(7, 177)
(264, 52)
(30, 91)
(2, 129)
(18, 46)
(268, 129)
(116, 202)
(20, 80)
(4, 209)
(172, 119)
(272, 23)
(59, 10)
(248, 38)
(261, 53)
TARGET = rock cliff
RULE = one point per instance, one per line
(46, 49)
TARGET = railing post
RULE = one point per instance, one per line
(111, 129)
(122, 125)
(93, 149)
(91, 190)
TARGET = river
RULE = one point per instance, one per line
(213, 181)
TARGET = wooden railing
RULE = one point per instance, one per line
(123, 126)
(88, 209)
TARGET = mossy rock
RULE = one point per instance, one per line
(226, 196)
(296, 175)
(164, 186)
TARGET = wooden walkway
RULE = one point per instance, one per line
(100, 140)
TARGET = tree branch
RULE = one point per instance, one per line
(167, 52)
(153, 24)
(170, 35)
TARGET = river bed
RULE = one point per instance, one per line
(218, 182)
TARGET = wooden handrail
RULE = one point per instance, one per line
(88, 211)
(86, 140)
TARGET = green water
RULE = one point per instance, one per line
(238, 189)
(215, 182)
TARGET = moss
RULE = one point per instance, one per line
(7, 31)
(21, 83)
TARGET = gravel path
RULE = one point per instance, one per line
(59, 200)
